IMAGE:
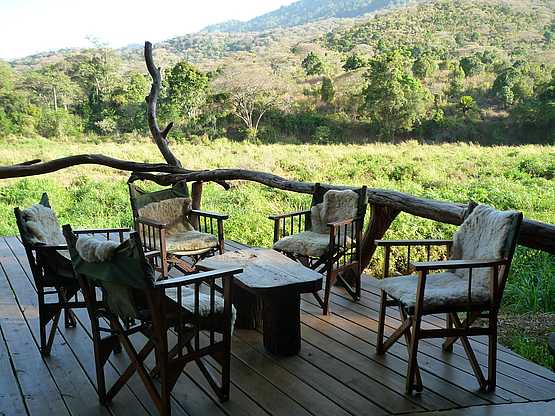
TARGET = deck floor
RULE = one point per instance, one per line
(336, 373)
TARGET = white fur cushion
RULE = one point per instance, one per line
(485, 234)
(172, 212)
(43, 224)
(337, 206)
(307, 243)
(188, 301)
(441, 289)
(94, 250)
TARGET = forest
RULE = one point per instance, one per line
(478, 70)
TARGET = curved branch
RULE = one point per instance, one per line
(160, 137)
(33, 168)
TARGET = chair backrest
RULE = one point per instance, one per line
(320, 191)
(487, 234)
(140, 198)
(53, 263)
(123, 273)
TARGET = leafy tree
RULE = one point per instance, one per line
(466, 104)
(355, 61)
(313, 64)
(327, 91)
(456, 81)
(471, 65)
(186, 90)
(393, 98)
(424, 66)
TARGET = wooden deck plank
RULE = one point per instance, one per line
(11, 400)
(337, 371)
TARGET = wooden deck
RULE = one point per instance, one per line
(336, 373)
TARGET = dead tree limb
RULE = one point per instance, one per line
(160, 137)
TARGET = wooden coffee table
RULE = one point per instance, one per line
(268, 290)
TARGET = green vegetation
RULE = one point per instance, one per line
(479, 70)
(304, 11)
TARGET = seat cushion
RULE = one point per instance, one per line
(188, 302)
(442, 289)
(307, 243)
(190, 241)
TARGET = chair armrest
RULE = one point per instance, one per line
(337, 224)
(431, 242)
(46, 247)
(209, 214)
(103, 230)
(196, 278)
(151, 253)
(289, 214)
(457, 264)
(152, 223)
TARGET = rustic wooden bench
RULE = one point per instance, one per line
(268, 291)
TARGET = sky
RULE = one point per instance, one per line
(31, 26)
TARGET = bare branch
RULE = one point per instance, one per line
(160, 138)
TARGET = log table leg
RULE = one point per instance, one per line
(282, 322)
(248, 309)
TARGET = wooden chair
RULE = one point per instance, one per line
(166, 312)
(50, 265)
(326, 238)
(166, 223)
(472, 283)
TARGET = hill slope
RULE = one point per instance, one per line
(305, 11)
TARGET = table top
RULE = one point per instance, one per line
(265, 270)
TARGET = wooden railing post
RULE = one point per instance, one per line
(196, 199)
(381, 218)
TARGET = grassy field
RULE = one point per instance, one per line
(505, 177)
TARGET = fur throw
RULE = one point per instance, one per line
(94, 250)
(485, 234)
(43, 225)
(337, 206)
(441, 289)
(172, 212)
(307, 243)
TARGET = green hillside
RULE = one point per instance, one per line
(305, 11)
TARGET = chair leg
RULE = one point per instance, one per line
(327, 291)
(492, 353)
(412, 383)
(448, 344)
(381, 323)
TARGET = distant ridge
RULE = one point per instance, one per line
(305, 11)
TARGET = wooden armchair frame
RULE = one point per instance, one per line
(342, 261)
(456, 329)
(53, 277)
(153, 236)
(163, 321)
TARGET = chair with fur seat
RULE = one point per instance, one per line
(327, 237)
(50, 265)
(471, 282)
(166, 222)
(166, 312)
